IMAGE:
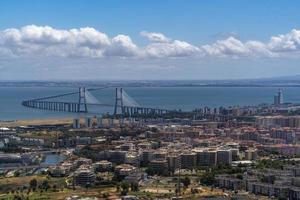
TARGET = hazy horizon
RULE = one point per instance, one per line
(103, 79)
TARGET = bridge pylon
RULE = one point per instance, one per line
(119, 101)
(82, 106)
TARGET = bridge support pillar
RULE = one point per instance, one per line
(119, 101)
(82, 106)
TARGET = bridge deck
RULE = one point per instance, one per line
(61, 106)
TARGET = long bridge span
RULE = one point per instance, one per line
(124, 105)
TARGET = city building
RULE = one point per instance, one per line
(188, 160)
(103, 166)
(278, 99)
(158, 166)
(88, 122)
(173, 162)
(135, 177)
(84, 177)
(224, 157)
(251, 154)
(229, 182)
(124, 169)
(76, 123)
(206, 157)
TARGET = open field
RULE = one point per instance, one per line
(62, 194)
(19, 182)
(164, 189)
(36, 122)
(13, 186)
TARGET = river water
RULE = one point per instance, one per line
(185, 98)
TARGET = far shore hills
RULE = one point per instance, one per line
(293, 81)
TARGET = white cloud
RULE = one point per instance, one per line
(163, 46)
(122, 45)
(287, 42)
(172, 49)
(257, 48)
(230, 46)
(155, 37)
(38, 40)
(34, 41)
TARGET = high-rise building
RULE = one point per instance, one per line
(235, 154)
(84, 177)
(278, 99)
(224, 157)
(159, 165)
(188, 160)
(206, 157)
(76, 123)
(111, 122)
(147, 156)
(280, 96)
(251, 154)
(88, 122)
(116, 156)
(99, 122)
(173, 162)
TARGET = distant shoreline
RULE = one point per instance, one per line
(267, 82)
(151, 85)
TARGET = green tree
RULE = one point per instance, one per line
(105, 195)
(54, 187)
(33, 183)
(207, 179)
(150, 171)
(125, 188)
(134, 187)
(118, 188)
(45, 185)
(17, 174)
(186, 181)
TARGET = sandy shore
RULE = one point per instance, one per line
(36, 122)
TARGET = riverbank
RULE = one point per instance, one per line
(36, 122)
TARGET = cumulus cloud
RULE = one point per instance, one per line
(88, 42)
(230, 46)
(163, 46)
(235, 48)
(284, 45)
(122, 45)
(155, 37)
(287, 42)
(175, 48)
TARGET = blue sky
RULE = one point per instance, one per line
(197, 25)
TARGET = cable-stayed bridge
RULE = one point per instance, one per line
(124, 104)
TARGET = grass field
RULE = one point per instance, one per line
(16, 183)
(11, 187)
(164, 188)
(37, 122)
(62, 194)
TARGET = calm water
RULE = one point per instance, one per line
(185, 98)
